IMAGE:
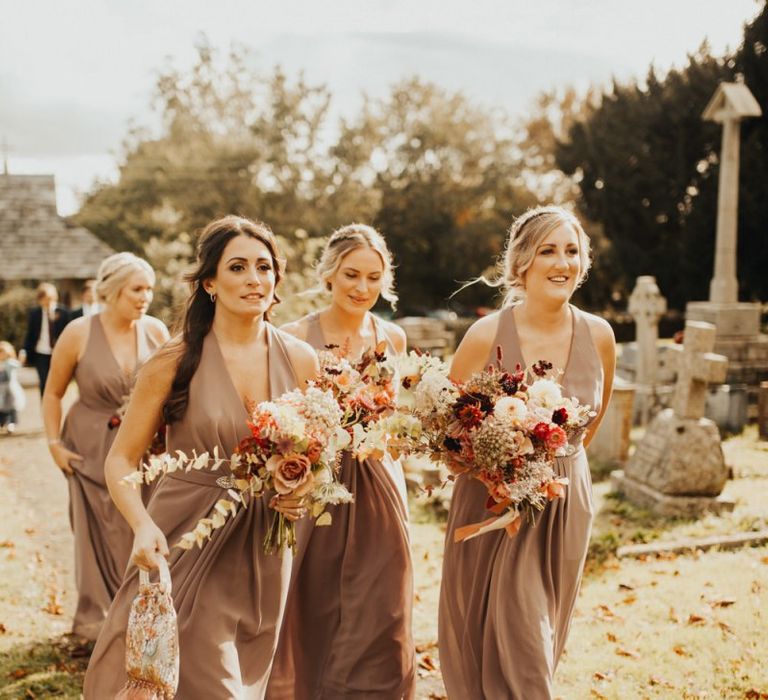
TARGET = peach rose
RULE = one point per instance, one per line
(291, 474)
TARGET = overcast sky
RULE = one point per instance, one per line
(73, 74)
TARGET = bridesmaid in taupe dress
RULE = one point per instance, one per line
(101, 353)
(506, 603)
(347, 630)
(229, 595)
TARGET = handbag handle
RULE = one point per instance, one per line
(165, 576)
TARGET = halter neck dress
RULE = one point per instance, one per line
(229, 596)
(506, 603)
(347, 630)
(103, 538)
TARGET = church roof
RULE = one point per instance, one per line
(35, 242)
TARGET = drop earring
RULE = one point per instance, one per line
(213, 297)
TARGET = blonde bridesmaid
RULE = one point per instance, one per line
(101, 353)
(506, 603)
(347, 631)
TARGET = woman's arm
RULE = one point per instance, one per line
(605, 342)
(142, 417)
(63, 363)
(475, 348)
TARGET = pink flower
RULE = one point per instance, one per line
(291, 474)
(556, 438)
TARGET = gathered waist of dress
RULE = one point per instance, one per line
(105, 409)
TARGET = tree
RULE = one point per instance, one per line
(643, 160)
(448, 181)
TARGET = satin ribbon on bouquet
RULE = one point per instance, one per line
(510, 520)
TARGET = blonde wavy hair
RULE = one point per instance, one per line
(523, 240)
(114, 273)
(351, 237)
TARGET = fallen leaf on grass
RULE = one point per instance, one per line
(755, 694)
(632, 598)
(721, 602)
(626, 587)
(673, 616)
(611, 636)
(600, 676)
(696, 619)
(628, 653)
(427, 664)
(435, 696)
(594, 694)
(53, 607)
(725, 627)
(680, 650)
(3, 630)
(7, 544)
(18, 673)
(655, 680)
(421, 648)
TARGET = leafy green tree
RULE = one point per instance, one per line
(643, 161)
(448, 180)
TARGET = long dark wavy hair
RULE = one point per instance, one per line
(200, 309)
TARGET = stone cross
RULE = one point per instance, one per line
(728, 106)
(647, 306)
(696, 366)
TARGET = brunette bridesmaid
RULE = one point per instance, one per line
(347, 631)
(229, 595)
(101, 353)
(506, 603)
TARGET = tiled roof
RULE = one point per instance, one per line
(35, 242)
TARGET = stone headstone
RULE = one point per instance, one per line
(678, 467)
(762, 411)
(727, 406)
(610, 446)
(647, 306)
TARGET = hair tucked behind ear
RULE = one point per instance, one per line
(200, 310)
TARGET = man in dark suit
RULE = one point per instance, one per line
(45, 322)
(89, 304)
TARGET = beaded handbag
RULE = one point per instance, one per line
(152, 642)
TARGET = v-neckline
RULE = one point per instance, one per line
(123, 370)
(375, 325)
(570, 348)
(231, 382)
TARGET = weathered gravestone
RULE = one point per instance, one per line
(647, 306)
(678, 469)
(610, 446)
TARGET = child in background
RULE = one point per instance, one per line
(12, 399)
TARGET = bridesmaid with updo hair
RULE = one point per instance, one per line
(102, 354)
(347, 629)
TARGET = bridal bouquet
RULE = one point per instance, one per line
(506, 433)
(291, 450)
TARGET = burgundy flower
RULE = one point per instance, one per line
(560, 416)
(114, 422)
(541, 432)
(541, 368)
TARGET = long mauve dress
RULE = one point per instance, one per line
(347, 630)
(506, 603)
(229, 595)
(103, 538)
